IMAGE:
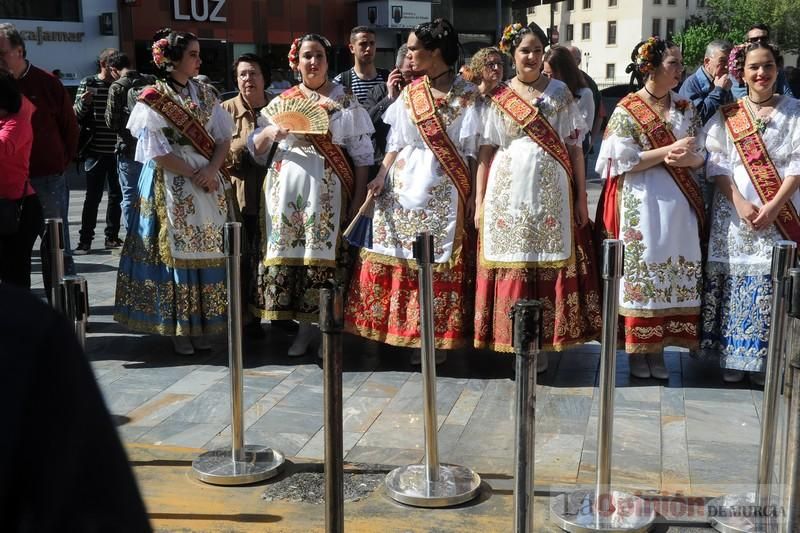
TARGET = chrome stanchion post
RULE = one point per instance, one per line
(431, 484)
(789, 518)
(240, 464)
(75, 294)
(331, 323)
(726, 512)
(526, 319)
(604, 509)
(55, 243)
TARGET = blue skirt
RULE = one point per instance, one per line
(153, 297)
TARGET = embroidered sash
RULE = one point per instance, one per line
(660, 136)
(533, 124)
(760, 168)
(181, 120)
(332, 153)
(434, 133)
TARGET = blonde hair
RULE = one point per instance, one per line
(479, 60)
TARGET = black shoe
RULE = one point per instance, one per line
(113, 242)
(83, 248)
(254, 331)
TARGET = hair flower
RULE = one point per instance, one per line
(510, 33)
(294, 56)
(736, 62)
(645, 55)
(158, 50)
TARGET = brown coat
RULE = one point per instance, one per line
(247, 176)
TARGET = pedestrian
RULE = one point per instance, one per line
(421, 189)
(252, 76)
(55, 139)
(709, 87)
(652, 201)
(171, 278)
(20, 210)
(559, 64)
(531, 207)
(381, 97)
(599, 112)
(100, 162)
(487, 69)
(364, 75)
(759, 33)
(309, 193)
(122, 96)
(753, 148)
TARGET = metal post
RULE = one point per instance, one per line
(789, 518)
(331, 323)
(431, 484)
(726, 511)
(75, 295)
(55, 244)
(527, 338)
(240, 464)
(604, 509)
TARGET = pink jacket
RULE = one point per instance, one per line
(16, 140)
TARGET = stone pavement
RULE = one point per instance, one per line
(689, 436)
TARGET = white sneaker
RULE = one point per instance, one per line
(201, 342)
(658, 369)
(305, 336)
(182, 345)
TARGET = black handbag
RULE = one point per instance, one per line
(10, 215)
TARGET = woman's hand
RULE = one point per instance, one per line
(477, 214)
(766, 216)
(581, 210)
(206, 177)
(681, 157)
(686, 143)
(747, 211)
(277, 133)
(470, 210)
(376, 185)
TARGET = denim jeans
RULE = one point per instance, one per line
(53, 194)
(99, 170)
(128, 170)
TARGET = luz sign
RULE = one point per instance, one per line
(198, 10)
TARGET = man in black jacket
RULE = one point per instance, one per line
(381, 97)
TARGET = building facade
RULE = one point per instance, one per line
(607, 30)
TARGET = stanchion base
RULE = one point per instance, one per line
(409, 485)
(217, 467)
(737, 513)
(576, 512)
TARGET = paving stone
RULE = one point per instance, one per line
(376, 455)
(733, 422)
(315, 448)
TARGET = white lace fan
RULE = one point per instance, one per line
(297, 115)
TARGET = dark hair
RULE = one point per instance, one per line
(643, 64)
(10, 95)
(177, 43)
(562, 63)
(10, 32)
(738, 57)
(440, 35)
(360, 29)
(315, 37)
(119, 61)
(256, 59)
(531, 28)
(760, 26)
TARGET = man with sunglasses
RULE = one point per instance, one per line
(759, 33)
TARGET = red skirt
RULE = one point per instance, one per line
(569, 296)
(383, 300)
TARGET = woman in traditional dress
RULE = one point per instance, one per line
(309, 192)
(559, 64)
(434, 120)
(754, 159)
(171, 278)
(653, 202)
(532, 211)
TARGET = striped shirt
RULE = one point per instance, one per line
(104, 140)
(359, 87)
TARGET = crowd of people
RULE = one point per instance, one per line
(698, 184)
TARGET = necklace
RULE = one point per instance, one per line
(530, 84)
(760, 120)
(761, 102)
(314, 94)
(180, 88)
(659, 101)
(433, 79)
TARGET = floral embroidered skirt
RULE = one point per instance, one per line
(736, 318)
(383, 301)
(153, 297)
(569, 296)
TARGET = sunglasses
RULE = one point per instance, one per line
(493, 65)
(760, 39)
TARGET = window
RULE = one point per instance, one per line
(586, 31)
(611, 71)
(701, 3)
(570, 5)
(657, 2)
(570, 32)
(611, 36)
(587, 4)
(63, 10)
(555, 7)
(671, 2)
(612, 3)
(670, 28)
(656, 27)
(531, 10)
